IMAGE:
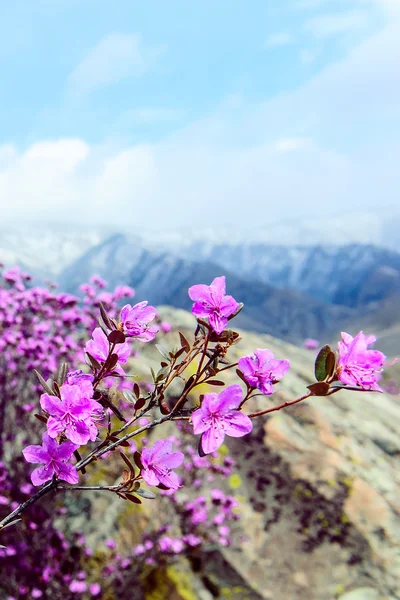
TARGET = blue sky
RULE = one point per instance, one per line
(275, 105)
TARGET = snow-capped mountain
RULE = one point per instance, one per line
(44, 251)
(164, 278)
(351, 275)
(291, 292)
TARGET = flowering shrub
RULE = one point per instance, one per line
(83, 418)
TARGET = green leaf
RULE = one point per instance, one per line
(320, 369)
(44, 384)
(163, 352)
(146, 494)
(129, 397)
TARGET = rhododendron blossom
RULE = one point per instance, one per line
(135, 321)
(217, 417)
(99, 346)
(262, 370)
(73, 414)
(158, 463)
(54, 458)
(311, 344)
(211, 302)
(357, 365)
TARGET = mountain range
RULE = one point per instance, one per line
(291, 292)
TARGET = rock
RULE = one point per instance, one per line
(365, 593)
(319, 498)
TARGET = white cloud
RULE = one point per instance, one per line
(326, 148)
(114, 58)
(275, 40)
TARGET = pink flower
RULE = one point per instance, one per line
(158, 462)
(95, 589)
(99, 348)
(210, 301)
(262, 370)
(166, 326)
(135, 320)
(311, 344)
(217, 417)
(82, 380)
(357, 365)
(54, 457)
(73, 414)
(77, 587)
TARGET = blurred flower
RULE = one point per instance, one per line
(311, 344)
(166, 327)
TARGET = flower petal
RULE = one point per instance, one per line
(78, 432)
(35, 454)
(54, 427)
(200, 293)
(218, 322)
(228, 399)
(212, 439)
(42, 474)
(228, 306)
(68, 473)
(52, 405)
(237, 424)
(218, 288)
(171, 460)
(150, 477)
(170, 480)
(159, 449)
(201, 420)
(65, 450)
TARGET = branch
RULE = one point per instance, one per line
(48, 487)
(279, 406)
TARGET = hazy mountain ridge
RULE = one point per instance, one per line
(165, 278)
(44, 252)
(351, 275)
(291, 292)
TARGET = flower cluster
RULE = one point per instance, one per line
(90, 415)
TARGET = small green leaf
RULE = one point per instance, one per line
(129, 397)
(320, 368)
(163, 352)
(47, 387)
(146, 494)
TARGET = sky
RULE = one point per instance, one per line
(201, 115)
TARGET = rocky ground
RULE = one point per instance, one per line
(318, 488)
